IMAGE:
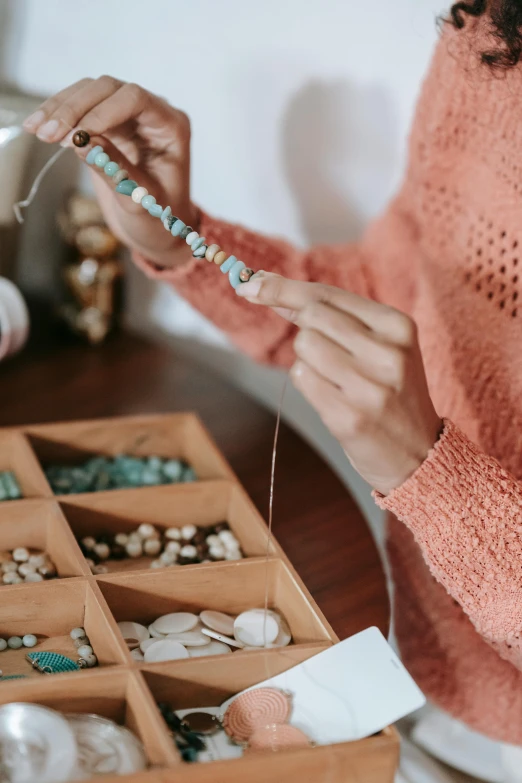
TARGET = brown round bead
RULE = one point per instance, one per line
(246, 274)
(81, 138)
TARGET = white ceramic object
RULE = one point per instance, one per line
(193, 638)
(222, 638)
(218, 621)
(14, 319)
(214, 648)
(255, 628)
(165, 650)
(176, 622)
(130, 630)
(146, 643)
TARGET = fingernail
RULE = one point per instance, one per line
(250, 289)
(34, 120)
(47, 131)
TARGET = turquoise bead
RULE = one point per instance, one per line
(197, 243)
(167, 212)
(126, 187)
(147, 201)
(177, 228)
(92, 154)
(155, 210)
(200, 252)
(101, 160)
(111, 168)
(227, 265)
(233, 274)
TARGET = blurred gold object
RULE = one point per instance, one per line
(93, 272)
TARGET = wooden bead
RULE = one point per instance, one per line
(81, 138)
(220, 257)
(211, 252)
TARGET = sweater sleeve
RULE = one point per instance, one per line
(465, 512)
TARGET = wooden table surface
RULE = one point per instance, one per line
(315, 519)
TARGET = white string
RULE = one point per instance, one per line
(36, 184)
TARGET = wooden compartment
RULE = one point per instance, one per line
(17, 456)
(178, 436)
(201, 503)
(227, 587)
(39, 524)
(50, 610)
(118, 695)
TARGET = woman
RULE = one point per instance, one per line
(433, 284)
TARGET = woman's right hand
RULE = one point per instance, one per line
(143, 134)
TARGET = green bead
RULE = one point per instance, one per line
(233, 274)
(111, 168)
(92, 154)
(101, 160)
(126, 187)
(148, 201)
(155, 210)
(227, 265)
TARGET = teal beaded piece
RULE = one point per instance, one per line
(52, 663)
(101, 160)
(227, 265)
(233, 274)
(237, 271)
(13, 677)
(111, 168)
(9, 487)
(126, 187)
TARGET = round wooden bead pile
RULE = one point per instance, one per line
(24, 565)
(184, 545)
(237, 271)
(87, 659)
(99, 474)
(183, 634)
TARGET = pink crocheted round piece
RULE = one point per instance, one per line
(278, 737)
(254, 710)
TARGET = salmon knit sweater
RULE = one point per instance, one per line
(448, 251)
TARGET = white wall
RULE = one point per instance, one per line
(300, 110)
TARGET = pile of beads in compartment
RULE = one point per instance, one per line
(24, 565)
(184, 545)
(9, 486)
(98, 474)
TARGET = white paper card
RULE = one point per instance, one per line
(351, 690)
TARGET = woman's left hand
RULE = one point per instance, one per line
(359, 365)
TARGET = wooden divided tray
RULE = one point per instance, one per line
(122, 688)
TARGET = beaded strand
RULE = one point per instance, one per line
(237, 271)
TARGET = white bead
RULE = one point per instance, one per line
(212, 540)
(255, 628)
(3, 644)
(26, 568)
(175, 622)
(165, 650)
(157, 564)
(218, 621)
(188, 551)
(134, 537)
(214, 648)
(152, 546)
(138, 194)
(131, 630)
(217, 552)
(29, 640)
(77, 633)
(90, 562)
(233, 555)
(226, 536)
(38, 560)
(191, 237)
(137, 654)
(167, 558)
(188, 532)
(194, 638)
(103, 551)
(91, 660)
(33, 578)
(121, 539)
(146, 531)
(85, 650)
(11, 578)
(99, 569)
(10, 567)
(134, 548)
(20, 554)
(174, 547)
(88, 542)
(173, 533)
(14, 642)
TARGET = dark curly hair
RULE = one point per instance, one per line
(506, 27)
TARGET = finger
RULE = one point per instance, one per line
(376, 358)
(35, 120)
(339, 368)
(68, 114)
(276, 291)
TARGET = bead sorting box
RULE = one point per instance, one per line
(122, 688)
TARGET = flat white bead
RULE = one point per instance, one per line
(137, 654)
(218, 621)
(226, 535)
(103, 551)
(233, 556)
(9, 565)
(3, 644)
(165, 650)
(85, 650)
(222, 638)
(256, 630)
(26, 568)
(156, 634)
(33, 578)
(176, 622)
(77, 633)
(174, 547)
(146, 531)
(121, 539)
(188, 532)
(157, 564)
(14, 642)
(152, 546)
(138, 194)
(146, 643)
(38, 560)
(214, 648)
(29, 640)
(190, 638)
(131, 630)
(188, 551)
(167, 558)
(134, 548)
(173, 533)
(89, 542)
(212, 540)
(191, 237)
(217, 552)
(20, 554)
